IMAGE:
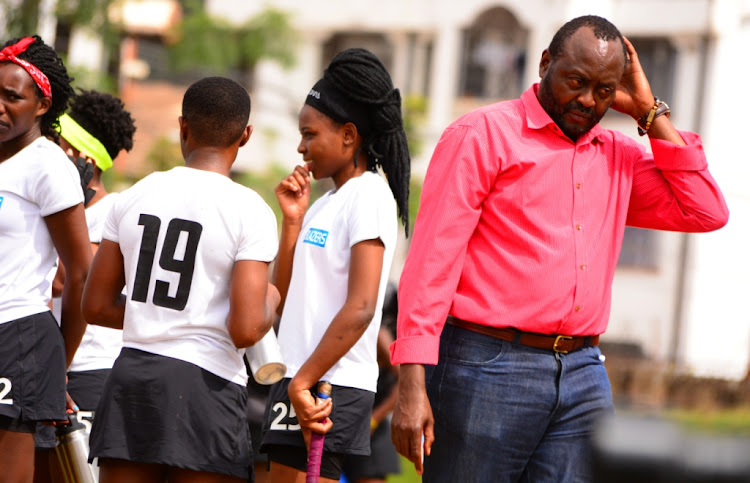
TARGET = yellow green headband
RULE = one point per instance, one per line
(80, 139)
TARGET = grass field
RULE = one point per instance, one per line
(408, 474)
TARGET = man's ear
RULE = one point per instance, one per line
(246, 135)
(545, 63)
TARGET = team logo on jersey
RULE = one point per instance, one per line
(316, 237)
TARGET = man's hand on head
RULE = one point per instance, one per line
(633, 96)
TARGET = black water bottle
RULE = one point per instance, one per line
(73, 452)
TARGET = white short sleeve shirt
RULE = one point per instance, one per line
(362, 209)
(180, 233)
(36, 182)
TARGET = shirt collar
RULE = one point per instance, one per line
(537, 118)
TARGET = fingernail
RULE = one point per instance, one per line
(75, 408)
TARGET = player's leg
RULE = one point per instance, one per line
(282, 473)
(16, 452)
(120, 471)
(32, 389)
(180, 475)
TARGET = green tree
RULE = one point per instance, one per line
(22, 18)
(202, 41)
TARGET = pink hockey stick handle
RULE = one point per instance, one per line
(315, 456)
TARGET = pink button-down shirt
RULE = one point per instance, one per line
(520, 227)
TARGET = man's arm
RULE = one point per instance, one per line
(674, 190)
(458, 180)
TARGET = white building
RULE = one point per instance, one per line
(678, 297)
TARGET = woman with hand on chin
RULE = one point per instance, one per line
(333, 263)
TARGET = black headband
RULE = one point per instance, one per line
(326, 98)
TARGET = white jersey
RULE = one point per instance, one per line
(36, 182)
(100, 345)
(362, 209)
(180, 233)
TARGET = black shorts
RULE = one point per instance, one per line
(161, 410)
(350, 434)
(32, 369)
(331, 464)
(85, 387)
(257, 396)
(383, 459)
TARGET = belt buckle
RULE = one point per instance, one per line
(557, 341)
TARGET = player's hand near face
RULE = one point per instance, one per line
(293, 194)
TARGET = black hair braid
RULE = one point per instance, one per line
(361, 76)
(44, 58)
(104, 117)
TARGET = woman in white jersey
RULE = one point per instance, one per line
(41, 217)
(97, 128)
(192, 248)
(333, 263)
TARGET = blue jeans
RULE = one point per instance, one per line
(507, 413)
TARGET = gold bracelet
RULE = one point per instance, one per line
(650, 117)
(660, 108)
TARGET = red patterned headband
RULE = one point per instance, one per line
(10, 52)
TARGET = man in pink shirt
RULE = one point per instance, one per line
(507, 284)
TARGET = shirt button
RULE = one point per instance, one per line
(578, 307)
(578, 186)
(583, 267)
(579, 227)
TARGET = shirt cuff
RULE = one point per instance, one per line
(420, 349)
(672, 157)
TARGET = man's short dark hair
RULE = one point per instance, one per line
(603, 29)
(217, 111)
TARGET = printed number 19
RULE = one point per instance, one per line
(185, 267)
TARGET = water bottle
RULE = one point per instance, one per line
(73, 452)
(265, 359)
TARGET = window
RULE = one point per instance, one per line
(639, 249)
(494, 57)
(375, 43)
(658, 59)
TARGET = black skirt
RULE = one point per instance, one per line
(161, 410)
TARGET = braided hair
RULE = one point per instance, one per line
(104, 117)
(44, 58)
(359, 75)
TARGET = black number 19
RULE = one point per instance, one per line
(185, 267)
